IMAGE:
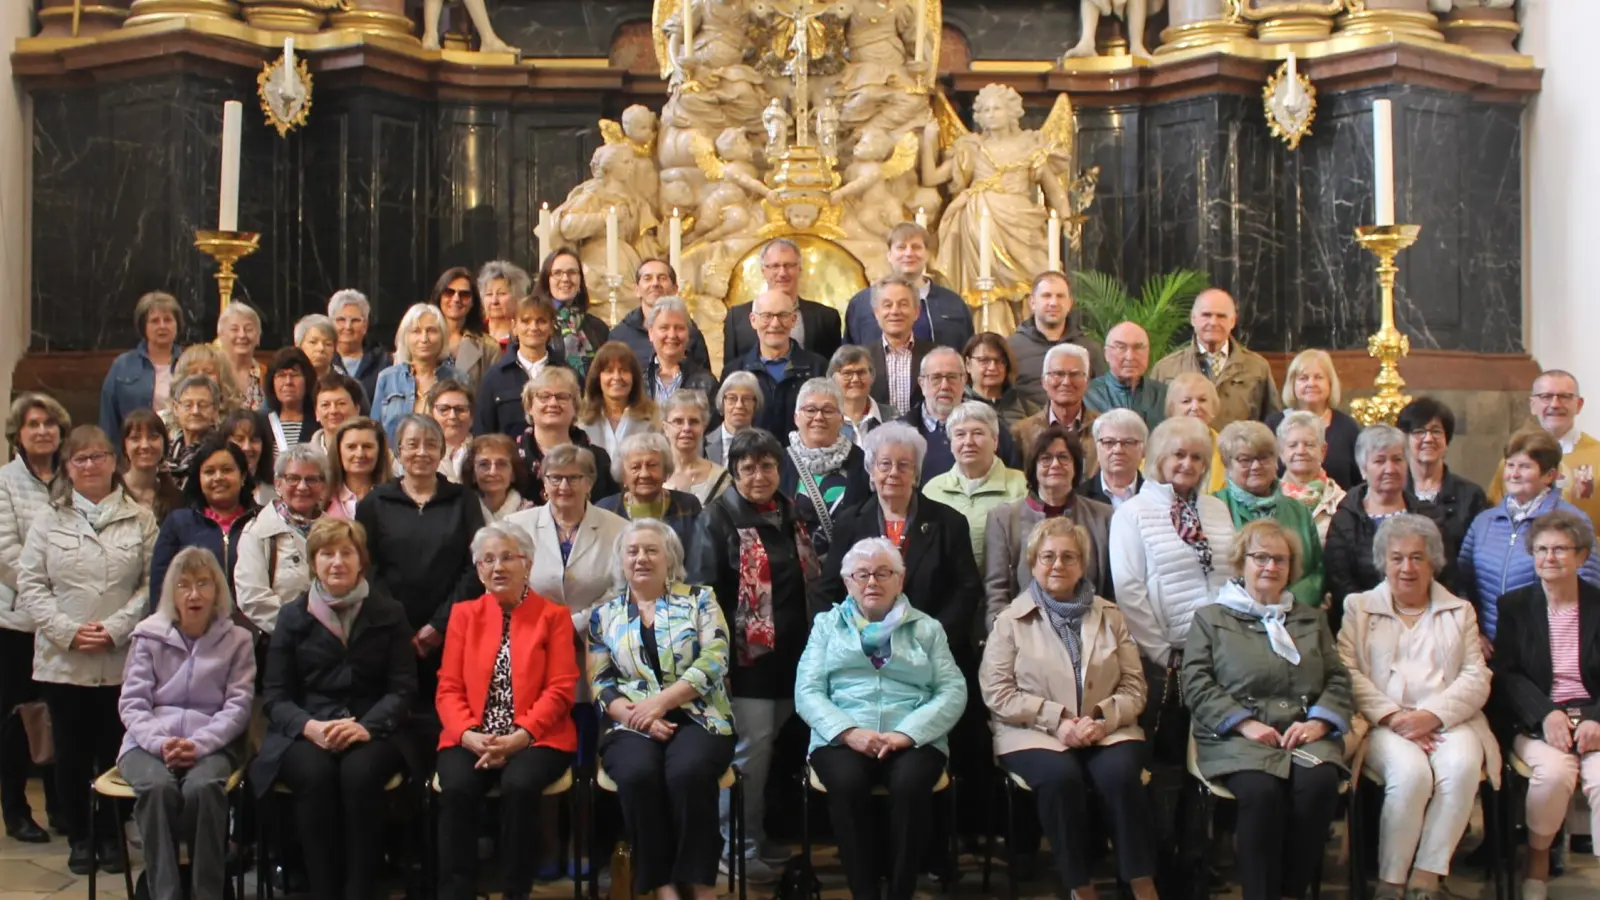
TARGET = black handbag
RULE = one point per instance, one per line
(1169, 737)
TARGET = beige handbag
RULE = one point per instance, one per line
(41, 738)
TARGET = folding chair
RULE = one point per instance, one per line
(111, 787)
(731, 780)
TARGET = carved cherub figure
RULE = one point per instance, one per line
(731, 204)
(871, 207)
(488, 41)
(1133, 12)
(638, 132)
(776, 120)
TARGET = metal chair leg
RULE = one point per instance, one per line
(736, 824)
(94, 843)
(579, 784)
(1011, 839)
(122, 843)
(988, 832)
(953, 870)
(805, 821)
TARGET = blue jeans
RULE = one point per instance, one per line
(756, 724)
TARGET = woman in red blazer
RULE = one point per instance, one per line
(505, 700)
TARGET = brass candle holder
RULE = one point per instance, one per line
(986, 296)
(613, 285)
(227, 248)
(1388, 345)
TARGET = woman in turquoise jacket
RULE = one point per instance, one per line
(880, 689)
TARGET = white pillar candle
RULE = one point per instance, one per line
(542, 232)
(1053, 241)
(675, 243)
(613, 246)
(288, 55)
(922, 30)
(228, 207)
(688, 28)
(1292, 92)
(922, 217)
(985, 246)
(1382, 163)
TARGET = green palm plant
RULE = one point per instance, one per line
(1161, 309)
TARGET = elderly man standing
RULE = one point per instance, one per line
(897, 354)
(1119, 438)
(944, 377)
(1125, 386)
(778, 362)
(1243, 379)
(656, 280)
(1066, 377)
(1555, 402)
(943, 319)
(816, 326)
(1052, 323)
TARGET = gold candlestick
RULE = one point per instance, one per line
(1387, 345)
(227, 248)
(986, 296)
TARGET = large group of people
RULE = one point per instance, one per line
(516, 546)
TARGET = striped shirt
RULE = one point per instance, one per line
(898, 364)
(1566, 685)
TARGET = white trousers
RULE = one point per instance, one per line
(1427, 799)
(1555, 777)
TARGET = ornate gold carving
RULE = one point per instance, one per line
(1388, 345)
(1289, 122)
(285, 94)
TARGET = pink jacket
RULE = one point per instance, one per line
(200, 690)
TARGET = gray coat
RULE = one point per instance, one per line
(1231, 674)
(1005, 537)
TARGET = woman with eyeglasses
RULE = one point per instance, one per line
(1429, 426)
(196, 401)
(550, 399)
(822, 470)
(274, 567)
(990, 368)
(219, 503)
(144, 441)
(206, 361)
(1251, 454)
(505, 696)
(578, 333)
(739, 402)
(291, 402)
(468, 347)
(450, 403)
(1271, 700)
(684, 417)
(360, 461)
(83, 577)
(492, 470)
(852, 370)
(1312, 385)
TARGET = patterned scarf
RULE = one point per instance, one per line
(300, 524)
(1235, 597)
(1310, 493)
(1066, 618)
(1521, 511)
(1248, 504)
(754, 634)
(819, 461)
(1186, 520)
(336, 613)
(877, 637)
(575, 345)
(1050, 512)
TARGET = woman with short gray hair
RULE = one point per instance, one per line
(669, 368)
(852, 369)
(980, 480)
(1302, 449)
(684, 417)
(501, 285)
(239, 336)
(197, 402)
(642, 467)
(273, 567)
(317, 339)
(822, 470)
(739, 403)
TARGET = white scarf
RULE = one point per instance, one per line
(1234, 597)
(98, 514)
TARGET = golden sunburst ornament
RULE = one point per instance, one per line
(1291, 103)
(284, 87)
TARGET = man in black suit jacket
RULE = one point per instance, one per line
(818, 328)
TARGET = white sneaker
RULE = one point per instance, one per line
(756, 871)
(1535, 890)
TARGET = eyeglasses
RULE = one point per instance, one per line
(566, 274)
(818, 412)
(780, 267)
(767, 318)
(1120, 347)
(986, 361)
(1267, 559)
(1436, 433)
(1110, 444)
(886, 466)
(852, 374)
(195, 406)
(451, 409)
(548, 397)
(866, 576)
(1046, 460)
(765, 467)
(1558, 551)
(563, 480)
(419, 447)
(1250, 462)
(1551, 398)
(490, 561)
(738, 399)
(943, 377)
(1058, 377)
(490, 464)
(287, 375)
(86, 460)
(307, 480)
(451, 292)
(1050, 559)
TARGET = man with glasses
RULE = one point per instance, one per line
(1555, 403)
(815, 327)
(656, 280)
(1051, 324)
(1119, 438)
(1245, 387)
(1125, 385)
(778, 362)
(1066, 379)
(898, 353)
(943, 317)
(944, 378)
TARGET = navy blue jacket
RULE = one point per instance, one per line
(945, 319)
(189, 527)
(374, 359)
(682, 510)
(499, 404)
(780, 397)
(130, 384)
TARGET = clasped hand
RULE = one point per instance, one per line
(493, 750)
(1559, 733)
(1416, 725)
(336, 735)
(179, 753)
(874, 743)
(92, 637)
(644, 717)
(1297, 735)
(1080, 732)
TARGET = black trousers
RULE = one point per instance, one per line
(1060, 784)
(461, 791)
(668, 793)
(88, 734)
(16, 687)
(1283, 827)
(850, 777)
(337, 803)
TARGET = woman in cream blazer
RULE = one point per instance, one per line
(1064, 685)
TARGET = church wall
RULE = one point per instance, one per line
(15, 133)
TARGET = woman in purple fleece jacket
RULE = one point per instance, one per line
(186, 695)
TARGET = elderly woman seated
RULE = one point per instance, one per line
(1270, 698)
(880, 690)
(186, 696)
(1250, 453)
(1418, 674)
(669, 722)
(1063, 683)
(1302, 449)
(341, 672)
(1547, 683)
(642, 466)
(505, 701)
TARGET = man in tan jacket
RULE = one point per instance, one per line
(1243, 379)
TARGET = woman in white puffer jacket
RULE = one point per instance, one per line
(1169, 549)
(35, 429)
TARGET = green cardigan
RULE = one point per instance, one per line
(1294, 516)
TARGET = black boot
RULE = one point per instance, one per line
(110, 854)
(27, 831)
(78, 858)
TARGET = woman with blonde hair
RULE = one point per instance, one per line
(186, 696)
(1312, 385)
(239, 337)
(615, 402)
(550, 400)
(1192, 394)
(419, 345)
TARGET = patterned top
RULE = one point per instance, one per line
(499, 715)
(691, 637)
(1566, 686)
(898, 364)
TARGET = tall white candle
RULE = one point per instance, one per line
(288, 55)
(688, 28)
(985, 246)
(1382, 163)
(613, 247)
(922, 29)
(542, 232)
(228, 207)
(1292, 94)
(1053, 241)
(675, 243)
(922, 217)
